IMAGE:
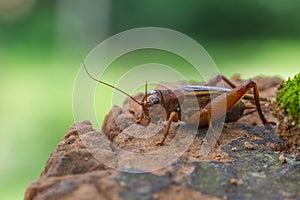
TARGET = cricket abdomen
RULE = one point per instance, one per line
(236, 112)
(198, 113)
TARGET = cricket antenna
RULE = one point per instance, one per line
(109, 85)
(146, 89)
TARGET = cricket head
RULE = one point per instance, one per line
(150, 100)
(154, 107)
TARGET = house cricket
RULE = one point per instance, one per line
(207, 95)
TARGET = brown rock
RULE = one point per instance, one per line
(92, 185)
(248, 145)
(282, 158)
(235, 181)
(72, 172)
(71, 156)
(233, 149)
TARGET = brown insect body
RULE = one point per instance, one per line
(170, 101)
(211, 102)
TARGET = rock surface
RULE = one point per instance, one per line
(228, 171)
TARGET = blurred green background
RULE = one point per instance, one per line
(42, 44)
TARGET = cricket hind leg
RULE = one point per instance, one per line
(252, 109)
(229, 99)
(218, 78)
(214, 110)
(236, 112)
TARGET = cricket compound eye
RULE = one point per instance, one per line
(153, 100)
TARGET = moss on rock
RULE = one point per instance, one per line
(288, 97)
(287, 110)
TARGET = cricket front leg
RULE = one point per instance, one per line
(173, 117)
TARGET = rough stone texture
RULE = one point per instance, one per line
(72, 172)
(71, 156)
(229, 171)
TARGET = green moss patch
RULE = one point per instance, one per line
(288, 97)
